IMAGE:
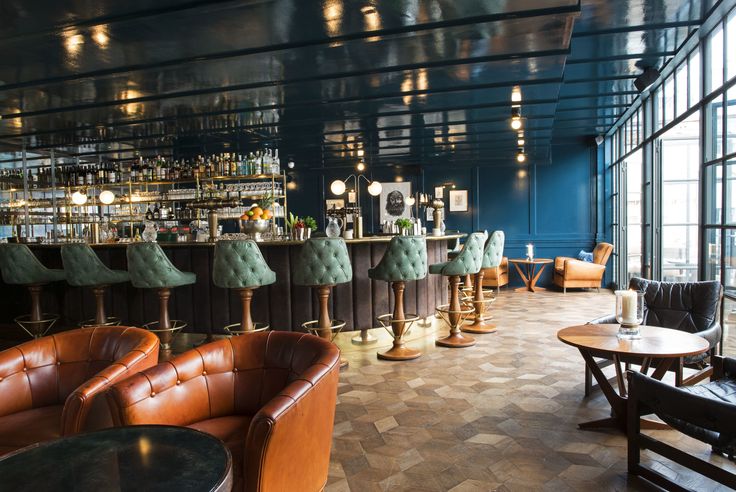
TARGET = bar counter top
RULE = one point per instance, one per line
(207, 308)
(383, 238)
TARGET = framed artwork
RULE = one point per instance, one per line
(393, 201)
(336, 203)
(458, 200)
(439, 192)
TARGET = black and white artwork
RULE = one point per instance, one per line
(393, 201)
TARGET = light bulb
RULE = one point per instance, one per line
(375, 188)
(79, 198)
(410, 200)
(361, 152)
(516, 123)
(516, 94)
(520, 141)
(360, 166)
(521, 157)
(337, 187)
(107, 197)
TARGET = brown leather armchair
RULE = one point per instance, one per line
(269, 396)
(497, 276)
(49, 386)
(570, 272)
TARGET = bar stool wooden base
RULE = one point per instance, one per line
(325, 327)
(398, 324)
(101, 318)
(36, 324)
(165, 328)
(479, 301)
(246, 325)
(455, 315)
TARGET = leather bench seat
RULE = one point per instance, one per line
(28, 427)
(232, 430)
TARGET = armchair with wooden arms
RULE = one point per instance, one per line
(571, 272)
(706, 412)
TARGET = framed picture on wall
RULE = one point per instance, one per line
(336, 203)
(458, 200)
(439, 192)
(393, 201)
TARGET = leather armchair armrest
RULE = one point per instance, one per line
(302, 413)
(583, 270)
(604, 320)
(724, 367)
(712, 334)
(647, 395)
(560, 262)
(79, 403)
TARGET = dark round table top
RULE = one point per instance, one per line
(137, 458)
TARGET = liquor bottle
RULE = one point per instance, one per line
(90, 176)
(80, 176)
(101, 174)
(112, 175)
(134, 172)
(149, 213)
(156, 212)
(276, 168)
(234, 165)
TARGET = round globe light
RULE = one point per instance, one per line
(516, 123)
(361, 166)
(107, 197)
(375, 188)
(410, 200)
(521, 157)
(337, 187)
(79, 198)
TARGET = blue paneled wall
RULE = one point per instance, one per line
(554, 206)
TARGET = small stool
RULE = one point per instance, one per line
(492, 255)
(21, 267)
(468, 262)
(240, 265)
(323, 263)
(84, 269)
(150, 268)
(404, 260)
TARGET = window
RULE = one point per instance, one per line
(695, 74)
(731, 41)
(731, 120)
(713, 193)
(681, 88)
(633, 215)
(669, 99)
(715, 58)
(714, 130)
(658, 115)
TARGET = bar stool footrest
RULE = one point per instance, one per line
(36, 329)
(313, 328)
(111, 321)
(234, 330)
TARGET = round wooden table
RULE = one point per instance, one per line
(663, 345)
(142, 457)
(531, 272)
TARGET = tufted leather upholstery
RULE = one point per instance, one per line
(404, 260)
(497, 277)
(84, 269)
(571, 272)
(493, 252)
(468, 262)
(323, 261)
(21, 267)
(270, 396)
(240, 265)
(150, 268)
(49, 386)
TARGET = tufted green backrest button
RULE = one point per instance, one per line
(240, 265)
(323, 261)
(405, 259)
(150, 268)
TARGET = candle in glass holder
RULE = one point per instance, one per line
(530, 251)
(628, 307)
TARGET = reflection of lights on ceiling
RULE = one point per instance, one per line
(407, 86)
(516, 118)
(73, 42)
(291, 185)
(520, 142)
(332, 13)
(422, 83)
(100, 36)
(521, 174)
(516, 94)
(361, 152)
(399, 179)
(361, 166)
(521, 156)
(371, 21)
(131, 108)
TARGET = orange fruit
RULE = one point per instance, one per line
(257, 210)
(244, 217)
(266, 215)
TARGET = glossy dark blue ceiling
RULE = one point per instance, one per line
(410, 81)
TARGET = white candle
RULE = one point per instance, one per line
(530, 251)
(628, 307)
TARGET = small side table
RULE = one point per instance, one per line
(531, 272)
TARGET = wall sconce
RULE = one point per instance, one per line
(79, 198)
(107, 197)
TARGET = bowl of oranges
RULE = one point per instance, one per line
(255, 220)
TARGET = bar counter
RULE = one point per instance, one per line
(207, 308)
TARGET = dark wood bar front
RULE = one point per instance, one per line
(207, 308)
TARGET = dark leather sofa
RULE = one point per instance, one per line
(49, 386)
(269, 396)
(686, 306)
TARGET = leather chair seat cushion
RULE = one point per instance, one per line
(323, 261)
(232, 430)
(20, 266)
(723, 390)
(21, 429)
(240, 265)
(437, 268)
(150, 268)
(83, 268)
(404, 260)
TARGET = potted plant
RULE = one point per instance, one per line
(405, 226)
(296, 226)
(310, 224)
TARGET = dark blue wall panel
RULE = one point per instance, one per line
(554, 206)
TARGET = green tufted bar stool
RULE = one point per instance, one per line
(405, 260)
(21, 267)
(84, 269)
(468, 262)
(323, 263)
(492, 256)
(240, 265)
(150, 268)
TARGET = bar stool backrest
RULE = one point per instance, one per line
(470, 258)
(150, 268)
(493, 253)
(84, 268)
(323, 261)
(405, 259)
(21, 267)
(240, 265)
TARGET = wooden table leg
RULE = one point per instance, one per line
(533, 285)
(524, 278)
(617, 402)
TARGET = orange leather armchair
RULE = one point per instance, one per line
(49, 386)
(497, 276)
(571, 272)
(269, 396)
